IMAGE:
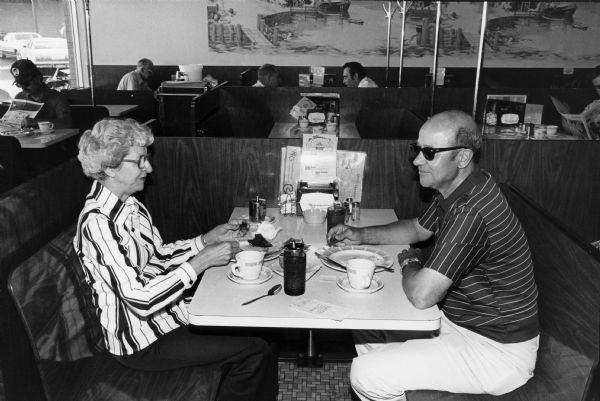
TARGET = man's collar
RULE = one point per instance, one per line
(476, 177)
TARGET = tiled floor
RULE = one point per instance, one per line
(327, 383)
(330, 382)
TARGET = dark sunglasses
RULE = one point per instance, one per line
(429, 152)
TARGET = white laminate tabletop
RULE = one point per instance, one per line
(217, 301)
(37, 140)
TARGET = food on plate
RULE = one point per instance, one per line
(259, 241)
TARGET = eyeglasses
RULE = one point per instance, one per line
(429, 152)
(142, 162)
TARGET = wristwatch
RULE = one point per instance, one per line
(406, 261)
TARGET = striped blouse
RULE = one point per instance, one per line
(481, 246)
(137, 281)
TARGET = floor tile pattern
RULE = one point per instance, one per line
(328, 383)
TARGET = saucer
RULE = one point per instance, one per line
(344, 284)
(265, 275)
(310, 270)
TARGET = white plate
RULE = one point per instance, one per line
(265, 275)
(344, 284)
(270, 253)
(342, 254)
(310, 270)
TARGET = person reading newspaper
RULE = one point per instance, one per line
(55, 105)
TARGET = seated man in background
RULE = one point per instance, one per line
(595, 105)
(137, 80)
(596, 85)
(56, 107)
(479, 273)
(268, 76)
(140, 284)
(355, 76)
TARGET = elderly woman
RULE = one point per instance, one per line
(138, 282)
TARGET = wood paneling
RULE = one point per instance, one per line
(202, 179)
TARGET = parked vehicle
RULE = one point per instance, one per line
(46, 52)
(14, 41)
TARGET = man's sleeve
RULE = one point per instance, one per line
(127, 83)
(461, 244)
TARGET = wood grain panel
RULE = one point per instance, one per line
(197, 181)
(211, 175)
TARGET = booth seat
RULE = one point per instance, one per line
(50, 343)
(220, 173)
(567, 273)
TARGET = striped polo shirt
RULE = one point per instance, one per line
(481, 246)
(137, 281)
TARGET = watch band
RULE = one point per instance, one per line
(406, 261)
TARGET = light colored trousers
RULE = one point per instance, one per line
(458, 361)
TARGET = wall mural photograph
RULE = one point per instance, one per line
(330, 32)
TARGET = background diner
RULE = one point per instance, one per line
(529, 80)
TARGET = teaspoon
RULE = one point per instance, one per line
(274, 290)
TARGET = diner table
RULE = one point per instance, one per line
(286, 130)
(118, 110)
(37, 140)
(218, 300)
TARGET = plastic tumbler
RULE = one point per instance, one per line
(336, 214)
(294, 268)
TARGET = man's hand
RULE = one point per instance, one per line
(411, 253)
(214, 255)
(27, 122)
(344, 235)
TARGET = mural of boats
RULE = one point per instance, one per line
(324, 6)
(551, 10)
(332, 6)
(559, 10)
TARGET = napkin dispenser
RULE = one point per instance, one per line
(306, 188)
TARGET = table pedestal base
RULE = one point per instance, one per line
(310, 358)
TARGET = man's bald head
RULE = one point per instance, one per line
(460, 126)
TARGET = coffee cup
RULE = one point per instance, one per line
(360, 273)
(45, 126)
(248, 265)
(551, 129)
(331, 127)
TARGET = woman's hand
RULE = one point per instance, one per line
(218, 254)
(225, 232)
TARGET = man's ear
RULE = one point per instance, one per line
(464, 157)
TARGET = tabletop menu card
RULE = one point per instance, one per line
(349, 171)
(318, 158)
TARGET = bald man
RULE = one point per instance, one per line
(479, 272)
(137, 80)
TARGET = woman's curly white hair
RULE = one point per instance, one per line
(107, 144)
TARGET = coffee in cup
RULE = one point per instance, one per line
(360, 273)
(45, 126)
(551, 129)
(248, 265)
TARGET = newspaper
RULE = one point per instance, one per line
(18, 110)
